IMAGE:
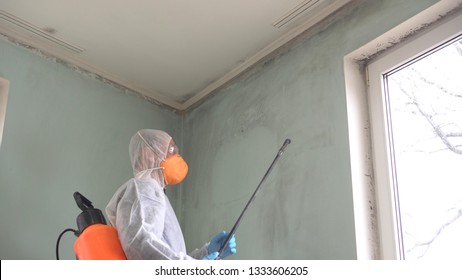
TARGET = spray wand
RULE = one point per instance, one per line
(236, 225)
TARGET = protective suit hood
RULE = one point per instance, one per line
(147, 149)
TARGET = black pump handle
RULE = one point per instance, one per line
(82, 202)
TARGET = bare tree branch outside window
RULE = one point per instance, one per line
(426, 113)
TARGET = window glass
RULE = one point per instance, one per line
(424, 100)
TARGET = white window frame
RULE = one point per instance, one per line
(4, 88)
(389, 224)
(375, 223)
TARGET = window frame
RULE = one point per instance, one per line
(375, 220)
(384, 168)
(4, 89)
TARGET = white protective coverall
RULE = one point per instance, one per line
(141, 212)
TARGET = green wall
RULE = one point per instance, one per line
(305, 210)
(64, 132)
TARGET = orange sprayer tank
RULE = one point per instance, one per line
(96, 240)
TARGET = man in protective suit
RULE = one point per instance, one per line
(141, 212)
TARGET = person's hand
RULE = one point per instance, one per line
(217, 242)
(212, 256)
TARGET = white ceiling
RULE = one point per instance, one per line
(173, 52)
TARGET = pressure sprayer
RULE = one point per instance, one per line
(96, 240)
(236, 225)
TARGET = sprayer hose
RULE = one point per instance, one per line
(59, 239)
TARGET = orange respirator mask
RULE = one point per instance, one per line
(175, 169)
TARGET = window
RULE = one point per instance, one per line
(405, 126)
(416, 114)
(423, 107)
(4, 84)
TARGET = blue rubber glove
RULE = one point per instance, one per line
(212, 256)
(217, 242)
